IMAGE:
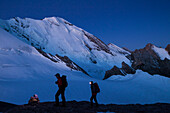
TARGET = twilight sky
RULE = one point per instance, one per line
(126, 23)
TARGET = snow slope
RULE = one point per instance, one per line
(115, 49)
(57, 36)
(24, 72)
(142, 88)
(20, 60)
(162, 53)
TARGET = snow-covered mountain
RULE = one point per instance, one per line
(57, 36)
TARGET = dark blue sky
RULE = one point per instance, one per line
(126, 23)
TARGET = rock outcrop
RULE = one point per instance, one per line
(127, 49)
(64, 59)
(147, 60)
(114, 71)
(126, 69)
(168, 48)
(100, 45)
(71, 64)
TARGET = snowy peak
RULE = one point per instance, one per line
(161, 52)
(55, 35)
(57, 21)
(37, 33)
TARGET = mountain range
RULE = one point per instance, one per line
(60, 39)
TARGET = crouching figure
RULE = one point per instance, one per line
(34, 99)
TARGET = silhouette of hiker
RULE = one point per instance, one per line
(94, 89)
(62, 84)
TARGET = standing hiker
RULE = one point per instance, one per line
(94, 89)
(62, 84)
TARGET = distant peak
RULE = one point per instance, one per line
(113, 45)
(110, 44)
(149, 46)
(50, 18)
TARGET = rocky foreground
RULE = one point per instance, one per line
(84, 107)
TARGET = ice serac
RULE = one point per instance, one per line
(55, 35)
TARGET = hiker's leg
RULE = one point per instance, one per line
(63, 97)
(95, 100)
(91, 100)
(56, 96)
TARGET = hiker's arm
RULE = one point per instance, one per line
(56, 82)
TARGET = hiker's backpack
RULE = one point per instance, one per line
(97, 87)
(64, 81)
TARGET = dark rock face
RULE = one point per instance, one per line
(65, 59)
(71, 64)
(168, 48)
(114, 71)
(164, 67)
(84, 107)
(100, 45)
(127, 68)
(127, 49)
(49, 56)
(147, 60)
